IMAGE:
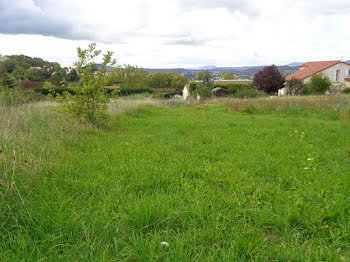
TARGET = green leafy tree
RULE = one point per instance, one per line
(319, 84)
(204, 91)
(33, 74)
(206, 78)
(296, 87)
(178, 81)
(90, 101)
(72, 76)
(229, 76)
(58, 77)
(159, 80)
(128, 76)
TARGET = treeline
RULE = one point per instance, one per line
(28, 72)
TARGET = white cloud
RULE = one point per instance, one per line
(162, 33)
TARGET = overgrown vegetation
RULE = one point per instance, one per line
(257, 180)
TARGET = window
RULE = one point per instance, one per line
(337, 76)
(348, 72)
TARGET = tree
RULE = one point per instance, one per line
(206, 78)
(128, 76)
(178, 81)
(269, 80)
(229, 76)
(72, 76)
(89, 102)
(296, 87)
(204, 91)
(58, 77)
(319, 84)
(159, 80)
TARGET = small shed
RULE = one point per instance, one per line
(221, 92)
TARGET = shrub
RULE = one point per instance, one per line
(54, 91)
(248, 93)
(204, 91)
(30, 84)
(346, 90)
(164, 95)
(193, 86)
(319, 84)
(269, 80)
(296, 87)
(126, 91)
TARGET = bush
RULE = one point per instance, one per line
(248, 93)
(346, 91)
(164, 95)
(319, 84)
(204, 91)
(193, 86)
(54, 91)
(296, 87)
(127, 91)
(30, 84)
(269, 80)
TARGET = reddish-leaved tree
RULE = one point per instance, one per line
(269, 79)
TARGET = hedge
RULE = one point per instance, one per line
(122, 91)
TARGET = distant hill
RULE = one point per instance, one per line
(243, 72)
(296, 64)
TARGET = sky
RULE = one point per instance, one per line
(179, 33)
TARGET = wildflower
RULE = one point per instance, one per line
(310, 159)
(306, 168)
(165, 244)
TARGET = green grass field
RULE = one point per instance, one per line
(261, 180)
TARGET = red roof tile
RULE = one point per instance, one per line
(311, 68)
(347, 79)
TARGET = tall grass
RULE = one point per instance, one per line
(215, 180)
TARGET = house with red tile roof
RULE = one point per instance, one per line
(4, 58)
(337, 71)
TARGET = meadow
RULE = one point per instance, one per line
(221, 180)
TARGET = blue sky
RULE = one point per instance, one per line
(179, 33)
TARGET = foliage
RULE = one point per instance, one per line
(247, 93)
(177, 81)
(6, 80)
(296, 87)
(128, 76)
(206, 78)
(16, 96)
(30, 84)
(229, 75)
(90, 101)
(164, 95)
(72, 76)
(55, 91)
(346, 90)
(319, 84)
(58, 78)
(269, 80)
(159, 80)
(126, 91)
(203, 91)
(193, 86)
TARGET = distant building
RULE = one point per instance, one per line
(36, 67)
(4, 58)
(337, 71)
(221, 92)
